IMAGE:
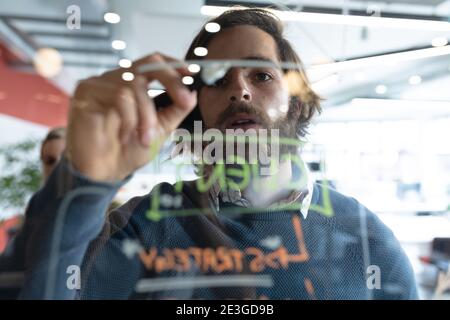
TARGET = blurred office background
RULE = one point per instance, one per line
(382, 67)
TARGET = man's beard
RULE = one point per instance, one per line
(285, 124)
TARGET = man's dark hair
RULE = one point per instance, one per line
(55, 133)
(304, 97)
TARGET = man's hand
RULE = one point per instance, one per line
(114, 127)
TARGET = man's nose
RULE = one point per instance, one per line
(239, 89)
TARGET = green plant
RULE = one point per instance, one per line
(20, 174)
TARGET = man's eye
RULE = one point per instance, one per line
(263, 76)
(50, 161)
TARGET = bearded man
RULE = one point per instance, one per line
(230, 234)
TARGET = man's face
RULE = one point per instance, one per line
(246, 97)
(50, 155)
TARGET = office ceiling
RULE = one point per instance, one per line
(167, 26)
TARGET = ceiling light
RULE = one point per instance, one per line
(48, 62)
(194, 68)
(212, 27)
(381, 89)
(125, 63)
(111, 17)
(127, 76)
(419, 104)
(200, 51)
(118, 44)
(187, 80)
(343, 19)
(391, 58)
(414, 80)
(439, 42)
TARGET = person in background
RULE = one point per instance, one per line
(51, 150)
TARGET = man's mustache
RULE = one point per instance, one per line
(247, 108)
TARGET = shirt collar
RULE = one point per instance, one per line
(303, 195)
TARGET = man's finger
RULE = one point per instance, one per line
(171, 116)
(127, 106)
(170, 77)
(95, 94)
(147, 117)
